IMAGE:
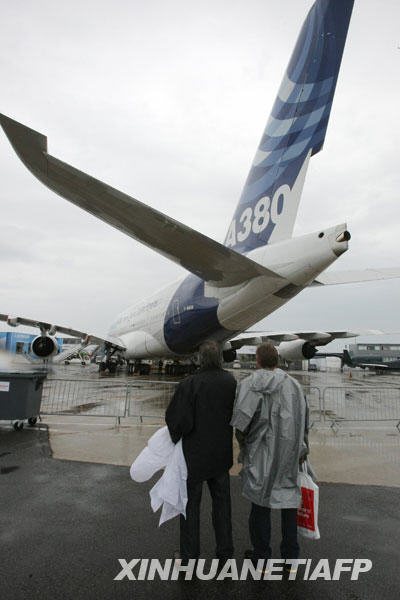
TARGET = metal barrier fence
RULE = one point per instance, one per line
(313, 395)
(149, 399)
(361, 404)
(106, 398)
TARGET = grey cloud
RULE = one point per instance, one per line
(167, 101)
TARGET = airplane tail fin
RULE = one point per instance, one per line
(295, 131)
(347, 359)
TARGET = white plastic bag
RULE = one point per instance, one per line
(170, 491)
(154, 456)
(307, 515)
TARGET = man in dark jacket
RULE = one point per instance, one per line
(200, 413)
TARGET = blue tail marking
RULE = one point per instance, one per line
(295, 131)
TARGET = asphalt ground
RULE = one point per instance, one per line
(64, 524)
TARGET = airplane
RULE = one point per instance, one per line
(351, 359)
(260, 266)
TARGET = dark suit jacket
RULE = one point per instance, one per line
(199, 413)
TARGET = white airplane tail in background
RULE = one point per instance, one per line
(296, 130)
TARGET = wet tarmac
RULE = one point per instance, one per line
(108, 420)
(357, 377)
(65, 524)
(70, 510)
(355, 455)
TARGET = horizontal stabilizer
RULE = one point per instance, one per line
(316, 338)
(192, 250)
(336, 278)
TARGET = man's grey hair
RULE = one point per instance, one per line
(210, 355)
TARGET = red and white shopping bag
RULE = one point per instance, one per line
(307, 515)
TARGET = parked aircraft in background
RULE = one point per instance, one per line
(365, 360)
(260, 266)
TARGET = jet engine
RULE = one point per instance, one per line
(140, 344)
(296, 350)
(44, 346)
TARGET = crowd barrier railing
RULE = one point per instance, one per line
(148, 399)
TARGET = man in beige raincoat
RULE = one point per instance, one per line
(270, 417)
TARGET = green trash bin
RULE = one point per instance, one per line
(20, 396)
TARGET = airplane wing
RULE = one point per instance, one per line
(194, 251)
(338, 277)
(316, 338)
(329, 354)
(49, 329)
(375, 366)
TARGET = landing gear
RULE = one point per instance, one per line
(112, 366)
(109, 365)
(110, 360)
(142, 368)
(177, 369)
(130, 367)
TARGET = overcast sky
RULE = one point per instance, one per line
(167, 101)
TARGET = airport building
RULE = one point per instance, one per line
(380, 353)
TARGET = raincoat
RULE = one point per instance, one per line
(271, 412)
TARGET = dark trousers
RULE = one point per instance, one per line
(260, 532)
(221, 518)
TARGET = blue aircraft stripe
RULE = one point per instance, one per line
(300, 114)
(282, 111)
(305, 45)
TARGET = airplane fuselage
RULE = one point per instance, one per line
(260, 266)
(178, 318)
